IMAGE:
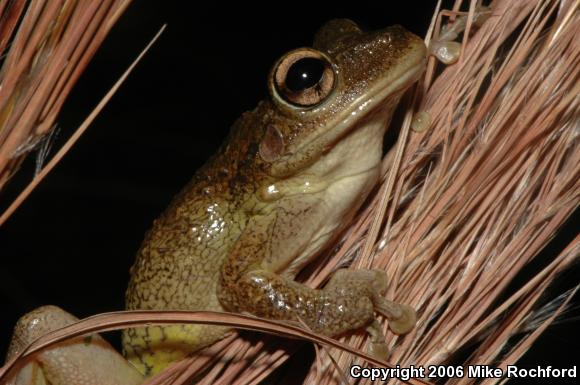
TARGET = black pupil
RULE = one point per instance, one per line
(304, 73)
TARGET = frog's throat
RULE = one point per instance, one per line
(388, 90)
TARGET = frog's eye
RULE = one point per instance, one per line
(303, 77)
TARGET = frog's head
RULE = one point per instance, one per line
(320, 95)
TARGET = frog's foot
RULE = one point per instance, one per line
(402, 318)
(87, 360)
(445, 48)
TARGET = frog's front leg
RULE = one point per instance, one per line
(251, 282)
(88, 360)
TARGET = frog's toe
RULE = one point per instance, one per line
(377, 347)
(402, 318)
(406, 322)
(379, 350)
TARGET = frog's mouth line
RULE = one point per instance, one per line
(350, 119)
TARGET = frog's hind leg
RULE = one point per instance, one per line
(88, 360)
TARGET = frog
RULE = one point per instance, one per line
(288, 180)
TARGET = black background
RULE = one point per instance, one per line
(72, 242)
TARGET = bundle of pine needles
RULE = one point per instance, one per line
(45, 46)
(464, 206)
